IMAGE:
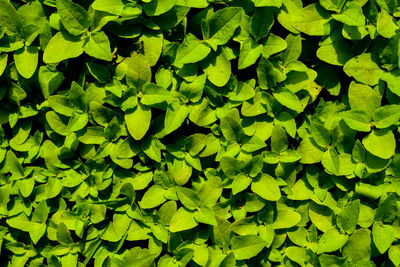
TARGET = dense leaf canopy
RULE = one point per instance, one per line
(199, 133)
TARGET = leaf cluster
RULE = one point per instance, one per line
(199, 133)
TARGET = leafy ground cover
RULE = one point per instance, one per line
(199, 133)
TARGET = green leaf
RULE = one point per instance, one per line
(231, 129)
(175, 116)
(205, 215)
(331, 241)
(363, 97)
(255, 106)
(153, 94)
(77, 96)
(26, 186)
(358, 247)
(266, 74)
(194, 90)
(60, 104)
(388, 5)
(153, 197)
(151, 147)
(138, 121)
(301, 191)
(26, 61)
(202, 114)
(293, 50)
(231, 166)
(298, 255)
(163, 77)
(99, 72)
(77, 122)
(392, 79)
(279, 140)
(195, 143)
(320, 134)
(328, 77)
(261, 22)
(254, 166)
(222, 25)
(288, 99)
(329, 260)
(300, 77)
(321, 216)
(49, 81)
(309, 151)
(13, 166)
(9, 18)
(138, 256)
(363, 68)
(98, 46)
(138, 70)
(191, 50)
(171, 18)
(358, 152)
(336, 53)
(240, 183)
(286, 218)
(157, 7)
(188, 198)
(218, 68)
(20, 222)
(358, 120)
(386, 116)
(153, 44)
(57, 123)
(74, 18)
(182, 220)
(386, 25)
(382, 236)
(272, 3)
(331, 162)
(347, 219)
(71, 45)
(273, 45)
(115, 7)
(200, 254)
(250, 51)
(354, 33)
(3, 62)
(311, 20)
(266, 187)
(211, 191)
(380, 143)
(332, 5)
(247, 246)
(37, 232)
(287, 121)
(100, 114)
(352, 15)
(63, 235)
(387, 209)
(394, 254)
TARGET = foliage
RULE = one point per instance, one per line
(199, 133)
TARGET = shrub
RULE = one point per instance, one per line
(199, 133)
